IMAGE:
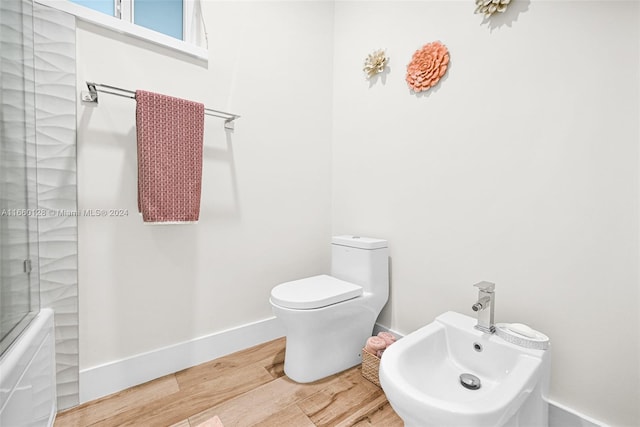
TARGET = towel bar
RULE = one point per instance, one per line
(92, 96)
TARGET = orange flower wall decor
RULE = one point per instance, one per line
(427, 66)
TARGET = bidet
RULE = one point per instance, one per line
(448, 373)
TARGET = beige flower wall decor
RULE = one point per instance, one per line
(375, 63)
(489, 7)
(427, 66)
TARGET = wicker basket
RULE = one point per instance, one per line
(370, 367)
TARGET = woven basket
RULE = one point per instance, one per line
(370, 367)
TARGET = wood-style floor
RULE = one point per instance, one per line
(246, 388)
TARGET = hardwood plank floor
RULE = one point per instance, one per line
(246, 388)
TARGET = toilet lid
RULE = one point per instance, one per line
(314, 292)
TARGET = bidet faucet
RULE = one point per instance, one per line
(484, 306)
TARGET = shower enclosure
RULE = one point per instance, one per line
(38, 246)
(19, 284)
(27, 343)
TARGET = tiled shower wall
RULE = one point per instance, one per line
(55, 77)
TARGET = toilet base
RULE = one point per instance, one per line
(325, 341)
(308, 360)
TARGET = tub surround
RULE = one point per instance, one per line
(28, 380)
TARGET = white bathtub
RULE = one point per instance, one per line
(28, 376)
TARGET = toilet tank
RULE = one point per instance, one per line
(363, 261)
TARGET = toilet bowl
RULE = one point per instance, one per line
(328, 318)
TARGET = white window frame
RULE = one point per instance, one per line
(124, 24)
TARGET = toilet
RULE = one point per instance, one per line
(328, 318)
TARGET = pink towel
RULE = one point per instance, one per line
(388, 337)
(374, 345)
(169, 132)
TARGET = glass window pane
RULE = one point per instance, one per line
(164, 16)
(104, 6)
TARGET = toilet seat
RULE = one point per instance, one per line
(314, 292)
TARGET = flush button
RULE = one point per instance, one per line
(470, 381)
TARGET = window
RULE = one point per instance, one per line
(104, 6)
(165, 22)
(163, 16)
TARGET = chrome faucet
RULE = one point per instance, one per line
(484, 306)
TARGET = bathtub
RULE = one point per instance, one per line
(28, 376)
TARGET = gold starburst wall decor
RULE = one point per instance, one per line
(375, 63)
(489, 7)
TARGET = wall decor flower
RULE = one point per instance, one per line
(375, 63)
(489, 7)
(427, 66)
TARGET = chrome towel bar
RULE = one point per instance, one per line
(92, 96)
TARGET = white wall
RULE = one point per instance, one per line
(265, 214)
(520, 167)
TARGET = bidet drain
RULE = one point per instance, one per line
(470, 381)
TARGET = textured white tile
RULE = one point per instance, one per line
(56, 164)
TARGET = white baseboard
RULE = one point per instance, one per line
(561, 416)
(115, 376)
(377, 328)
